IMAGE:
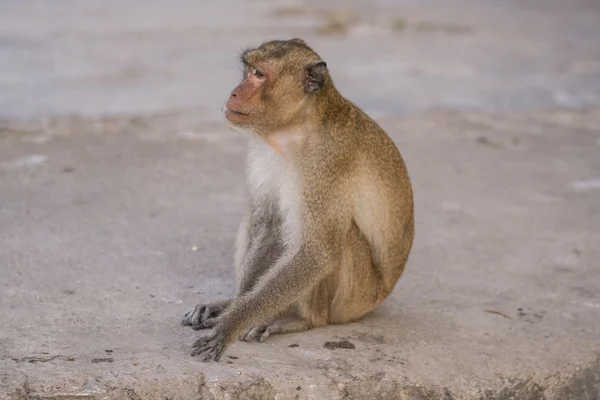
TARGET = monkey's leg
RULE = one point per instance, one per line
(200, 317)
(359, 284)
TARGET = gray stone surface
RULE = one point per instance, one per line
(121, 190)
(111, 229)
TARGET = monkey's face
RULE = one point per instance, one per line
(248, 101)
(279, 80)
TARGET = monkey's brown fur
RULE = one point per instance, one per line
(330, 222)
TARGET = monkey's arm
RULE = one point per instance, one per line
(292, 275)
(278, 289)
(258, 247)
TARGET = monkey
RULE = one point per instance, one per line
(329, 223)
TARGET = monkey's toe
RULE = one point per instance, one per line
(265, 334)
(257, 334)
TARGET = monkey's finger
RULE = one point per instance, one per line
(206, 341)
(214, 353)
(203, 349)
(196, 317)
(200, 344)
(210, 355)
(197, 352)
(189, 313)
(186, 320)
(206, 314)
(203, 340)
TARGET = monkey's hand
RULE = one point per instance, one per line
(211, 345)
(204, 315)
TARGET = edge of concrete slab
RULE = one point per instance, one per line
(581, 382)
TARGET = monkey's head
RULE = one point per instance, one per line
(281, 80)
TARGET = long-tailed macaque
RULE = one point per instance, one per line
(330, 221)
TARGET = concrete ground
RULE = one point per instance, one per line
(121, 190)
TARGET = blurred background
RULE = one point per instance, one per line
(391, 57)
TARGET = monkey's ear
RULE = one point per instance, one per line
(315, 77)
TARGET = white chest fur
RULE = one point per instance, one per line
(273, 178)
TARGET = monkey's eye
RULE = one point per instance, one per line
(258, 73)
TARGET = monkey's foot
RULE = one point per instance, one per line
(204, 315)
(261, 332)
(210, 346)
(258, 334)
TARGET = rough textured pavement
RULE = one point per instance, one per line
(111, 227)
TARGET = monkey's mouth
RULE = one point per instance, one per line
(234, 112)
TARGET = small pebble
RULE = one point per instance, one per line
(102, 360)
(344, 344)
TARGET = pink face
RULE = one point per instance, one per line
(244, 104)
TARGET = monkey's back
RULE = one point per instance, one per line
(383, 203)
(379, 233)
